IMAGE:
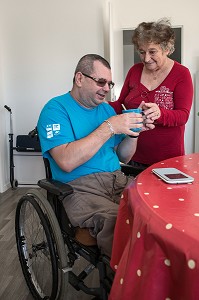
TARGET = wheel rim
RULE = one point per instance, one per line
(36, 250)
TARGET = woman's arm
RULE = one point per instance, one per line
(182, 98)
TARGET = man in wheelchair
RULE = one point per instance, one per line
(85, 142)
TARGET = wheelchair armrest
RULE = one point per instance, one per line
(55, 187)
(126, 169)
(129, 170)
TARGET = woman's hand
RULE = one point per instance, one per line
(151, 110)
(147, 122)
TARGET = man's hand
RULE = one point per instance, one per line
(123, 123)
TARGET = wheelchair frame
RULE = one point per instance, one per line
(48, 248)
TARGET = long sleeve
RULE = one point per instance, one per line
(182, 99)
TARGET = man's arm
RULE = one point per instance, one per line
(71, 155)
(126, 149)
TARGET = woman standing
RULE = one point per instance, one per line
(167, 89)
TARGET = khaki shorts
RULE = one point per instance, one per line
(94, 205)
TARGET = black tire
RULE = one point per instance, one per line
(15, 183)
(41, 249)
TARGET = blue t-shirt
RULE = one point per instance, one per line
(64, 120)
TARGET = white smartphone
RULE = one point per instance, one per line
(172, 175)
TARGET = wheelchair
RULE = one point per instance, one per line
(48, 245)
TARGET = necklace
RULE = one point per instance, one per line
(155, 74)
(154, 77)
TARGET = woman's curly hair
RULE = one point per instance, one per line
(159, 32)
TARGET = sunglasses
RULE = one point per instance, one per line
(101, 81)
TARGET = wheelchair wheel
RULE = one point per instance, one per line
(41, 249)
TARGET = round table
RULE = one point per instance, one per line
(156, 240)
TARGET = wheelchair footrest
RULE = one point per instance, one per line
(78, 284)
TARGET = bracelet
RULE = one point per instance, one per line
(133, 137)
(110, 127)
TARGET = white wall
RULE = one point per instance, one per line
(40, 44)
(2, 127)
(127, 14)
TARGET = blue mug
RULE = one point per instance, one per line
(134, 110)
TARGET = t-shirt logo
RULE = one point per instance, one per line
(52, 130)
(56, 127)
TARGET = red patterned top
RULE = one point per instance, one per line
(174, 97)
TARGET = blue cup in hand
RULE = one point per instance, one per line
(134, 110)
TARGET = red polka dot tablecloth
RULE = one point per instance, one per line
(156, 240)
